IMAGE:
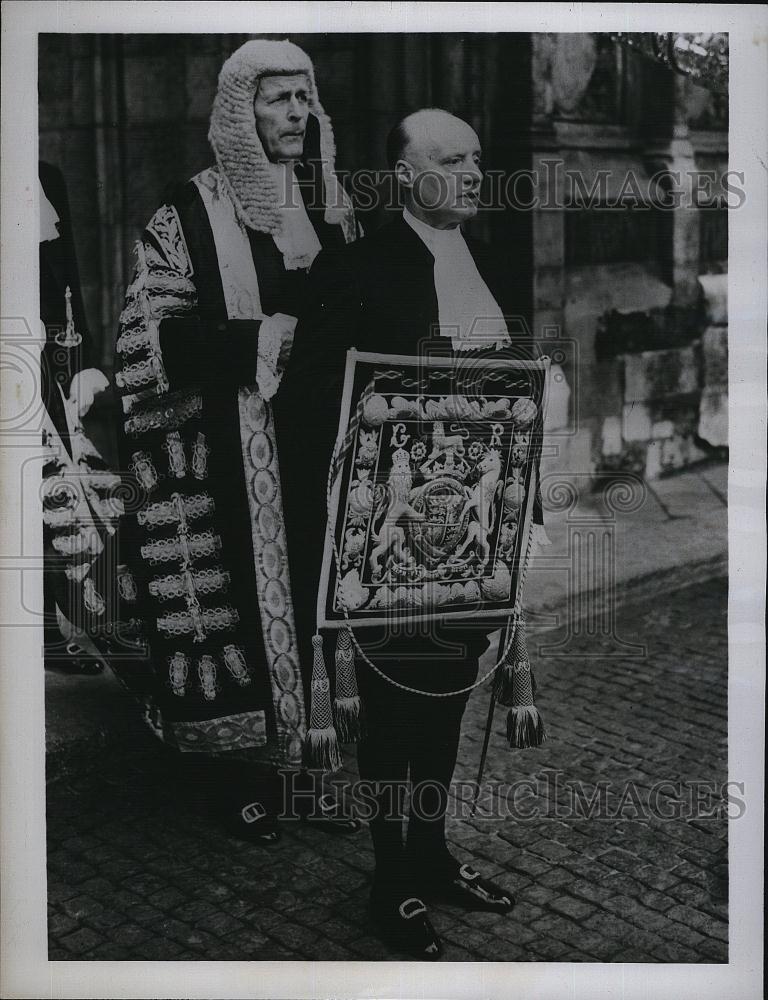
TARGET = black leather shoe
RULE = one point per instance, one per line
(466, 887)
(253, 821)
(406, 926)
(329, 815)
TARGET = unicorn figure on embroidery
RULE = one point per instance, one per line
(480, 503)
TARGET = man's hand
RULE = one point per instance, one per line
(274, 351)
(84, 388)
(284, 327)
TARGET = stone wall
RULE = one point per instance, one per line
(617, 286)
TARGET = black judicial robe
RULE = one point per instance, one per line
(208, 548)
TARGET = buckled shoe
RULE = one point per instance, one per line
(254, 821)
(466, 887)
(405, 925)
(328, 814)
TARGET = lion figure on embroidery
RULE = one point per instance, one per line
(391, 536)
(449, 445)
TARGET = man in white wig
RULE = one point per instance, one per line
(204, 337)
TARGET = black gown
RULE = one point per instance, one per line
(212, 567)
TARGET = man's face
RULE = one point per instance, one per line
(444, 153)
(281, 107)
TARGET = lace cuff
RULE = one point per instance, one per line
(269, 370)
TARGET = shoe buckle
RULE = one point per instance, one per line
(252, 812)
(327, 803)
(407, 913)
(468, 874)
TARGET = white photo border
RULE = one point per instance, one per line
(23, 958)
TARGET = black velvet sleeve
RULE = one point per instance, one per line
(202, 353)
(306, 407)
(310, 393)
(328, 321)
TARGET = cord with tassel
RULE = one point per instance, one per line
(516, 689)
(321, 747)
(347, 711)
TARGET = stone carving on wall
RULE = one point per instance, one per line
(705, 109)
(702, 56)
(586, 75)
(575, 58)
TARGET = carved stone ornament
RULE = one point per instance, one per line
(701, 56)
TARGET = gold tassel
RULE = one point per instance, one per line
(321, 747)
(517, 688)
(525, 727)
(517, 653)
(346, 704)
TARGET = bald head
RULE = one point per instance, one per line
(424, 129)
(436, 159)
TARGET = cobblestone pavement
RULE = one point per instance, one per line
(136, 871)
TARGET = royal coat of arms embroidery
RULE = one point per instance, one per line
(431, 494)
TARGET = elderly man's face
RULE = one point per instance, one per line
(281, 107)
(444, 153)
